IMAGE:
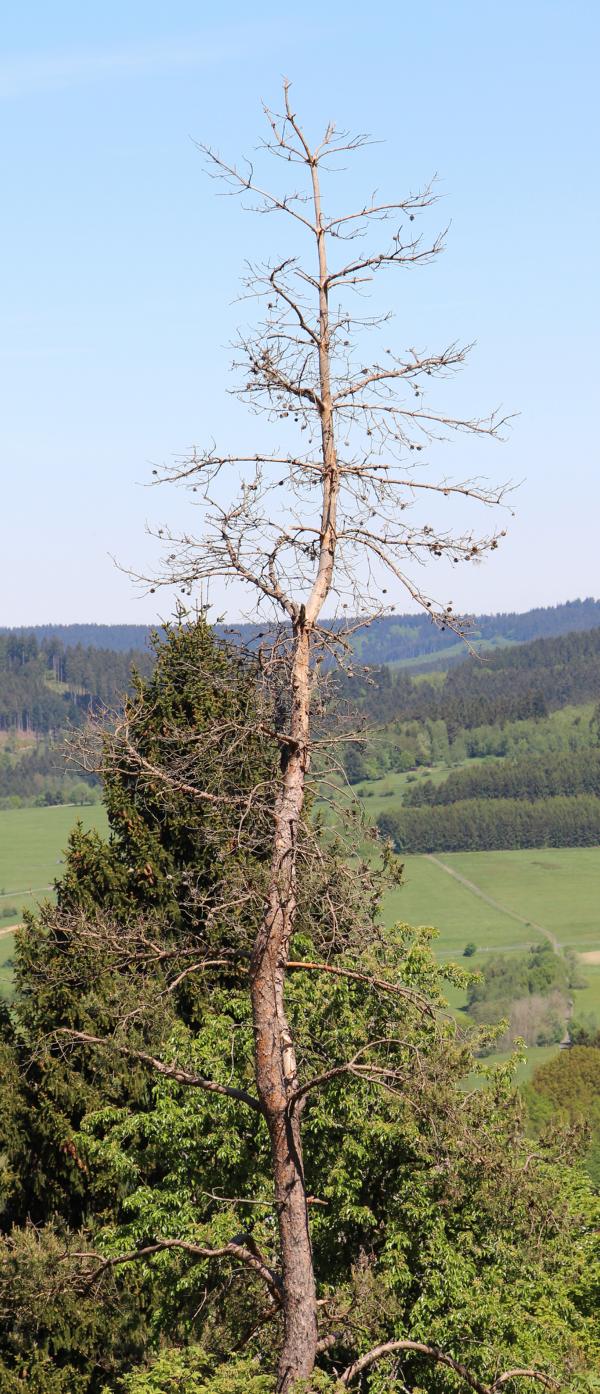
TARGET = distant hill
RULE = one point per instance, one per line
(50, 681)
(541, 788)
(119, 638)
(408, 638)
(46, 689)
(395, 639)
(46, 686)
(514, 683)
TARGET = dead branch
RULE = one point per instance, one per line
(175, 1072)
(251, 1258)
(305, 530)
(434, 1353)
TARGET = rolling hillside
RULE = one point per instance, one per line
(397, 639)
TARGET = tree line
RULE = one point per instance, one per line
(389, 639)
(42, 776)
(45, 686)
(530, 992)
(530, 777)
(484, 824)
(119, 638)
(516, 683)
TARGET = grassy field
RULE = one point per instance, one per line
(32, 841)
(443, 658)
(556, 889)
(514, 899)
(385, 794)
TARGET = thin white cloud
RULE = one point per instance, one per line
(27, 74)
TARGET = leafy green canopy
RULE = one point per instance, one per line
(568, 1089)
(432, 1218)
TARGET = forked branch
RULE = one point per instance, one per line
(434, 1353)
(250, 1257)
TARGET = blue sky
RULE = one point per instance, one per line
(119, 265)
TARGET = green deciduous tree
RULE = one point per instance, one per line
(567, 1090)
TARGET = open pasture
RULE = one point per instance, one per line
(552, 889)
(522, 893)
(32, 841)
(557, 889)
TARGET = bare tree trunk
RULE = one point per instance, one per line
(301, 365)
(276, 1074)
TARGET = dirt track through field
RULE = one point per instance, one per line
(23, 890)
(9, 929)
(495, 904)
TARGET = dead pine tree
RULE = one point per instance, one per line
(291, 930)
(316, 530)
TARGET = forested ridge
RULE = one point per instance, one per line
(494, 705)
(45, 686)
(508, 684)
(391, 639)
(46, 691)
(116, 638)
(527, 717)
(47, 683)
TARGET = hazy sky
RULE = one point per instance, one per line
(119, 264)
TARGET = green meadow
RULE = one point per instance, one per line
(32, 841)
(556, 890)
(552, 890)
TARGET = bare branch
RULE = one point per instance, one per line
(303, 530)
(249, 1257)
(434, 1353)
(402, 254)
(245, 183)
(174, 1072)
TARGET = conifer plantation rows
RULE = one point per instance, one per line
(531, 777)
(534, 781)
(480, 825)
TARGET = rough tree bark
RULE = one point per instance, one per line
(276, 1071)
